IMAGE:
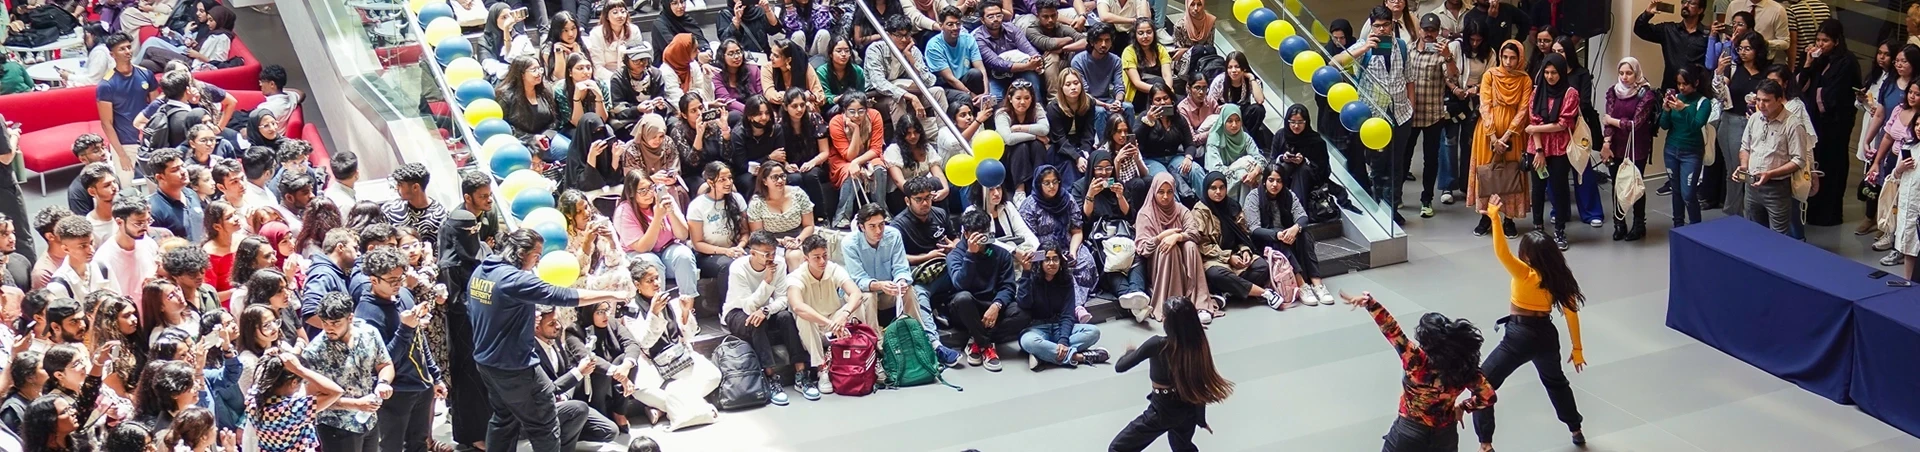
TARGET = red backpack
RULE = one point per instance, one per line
(852, 359)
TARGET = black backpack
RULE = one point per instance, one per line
(1206, 61)
(163, 129)
(742, 382)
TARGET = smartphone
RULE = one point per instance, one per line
(1664, 7)
(1877, 274)
(1899, 283)
(1720, 17)
(521, 13)
(710, 114)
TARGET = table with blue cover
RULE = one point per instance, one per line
(1886, 376)
(1777, 303)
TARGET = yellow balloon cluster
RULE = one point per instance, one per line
(1376, 133)
(1292, 5)
(522, 180)
(1342, 93)
(463, 69)
(961, 169)
(1243, 8)
(441, 29)
(560, 268)
(987, 145)
(1305, 63)
(481, 110)
(1278, 31)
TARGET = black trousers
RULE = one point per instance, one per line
(580, 422)
(1409, 435)
(712, 265)
(1430, 137)
(1559, 186)
(467, 400)
(406, 420)
(777, 328)
(1166, 414)
(523, 407)
(1238, 286)
(1023, 160)
(1639, 209)
(1527, 339)
(1832, 159)
(13, 203)
(336, 440)
(967, 310)
(1389, 165)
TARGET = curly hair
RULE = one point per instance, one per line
(1452, 347)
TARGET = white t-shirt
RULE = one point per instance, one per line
(129, 268)
(102, 230)
(716, 230)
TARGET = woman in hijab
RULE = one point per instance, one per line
(280, 238)
(1629, 137)
(590, 161)
(654, 154)
(1586, 194)
(1828, 78)
(1232, 153)
(1055, 220)
(1106, 213)
(682, 70)
(460, 253)
(1276, 223)
(1339, 37)
(1303, 151)
(1504, 90)
(1556, 105)
(1161, 238)
(1216, 226)
(263, 129)
(674, 22)
(1190, 34)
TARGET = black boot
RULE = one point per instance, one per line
(1619, 229)
(1512, 231)
(1639, 231)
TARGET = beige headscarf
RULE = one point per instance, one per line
(1621, 88)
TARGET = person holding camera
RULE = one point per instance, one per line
(1386, 83)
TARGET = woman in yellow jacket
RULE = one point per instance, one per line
(1541, 283)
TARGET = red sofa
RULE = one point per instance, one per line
(58, 116)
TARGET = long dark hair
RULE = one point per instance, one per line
(840, 82)
(216, 215)
(1761, 57)
(1452, 347)
(632, 183)
(40, 420)
(159, 383)
(252, 319)
(153, 301)
(729, 211)
(1476, 26)
(321, 217)
(613, 34)
(244, 256)
(1545, 258)
(568, 85)
(273, 375)
(912, 155)
(1791, 86)
(264, 284)
(734, 78)
(191, 427)
(510, 89)
(760, 179)
(557, 28)
(1276, 209)
(794, 74)
(1235, 94)
(1189, 356)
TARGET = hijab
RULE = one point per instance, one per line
(580, 176)
(1621, 88)
(1300, 140)
(656, 159)
(1548, 97)
(1339, 25)
(679, 55)
(493, 36)
(1155, 217)
(1233, 232)
(276, 232)
(674, 26)
(253, 130)
(1199, 26)
(1060, 205)
(1510, 86)
(1231, 146)
(1086, 183)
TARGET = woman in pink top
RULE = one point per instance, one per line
(650, 225)
(1556, 105)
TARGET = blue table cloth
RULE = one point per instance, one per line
(1886, 376)
(1779, 304)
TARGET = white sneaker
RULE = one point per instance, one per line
(1893, 258)
(1206, 317)
(1307, 297)
(826, 384)
(1446, 197)
(1326, 297)
(1275, 300)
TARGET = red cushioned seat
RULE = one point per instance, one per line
(320, 157)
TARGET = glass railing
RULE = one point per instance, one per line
(1231, 35)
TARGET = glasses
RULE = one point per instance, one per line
(207, 140)
(1297, 122)
(1745, 48)
(1050, 183)
(921, 199)
(391, 280)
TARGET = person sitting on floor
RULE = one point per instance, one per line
(1056, 336)
(821, 310)
(982, 275)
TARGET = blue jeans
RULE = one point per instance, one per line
(1447, 141)
(1037, 340)
(1195, 179)
(677, 261)
(1684, 165)
(998, 86)
(924, 297)
(1100, 120)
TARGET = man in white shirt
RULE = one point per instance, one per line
(346, 172)
(1386, 84)
(296, 193)
(257, 165)
(77, 276)
(1452, 15)
(821, 311)
(131, 257)
(756, 310)
(281, 100)
(102, 186)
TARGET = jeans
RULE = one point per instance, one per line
(580, 422)
(1409, 435)
(1100, 120)
(1433, 159)
(974, 81)
(923, 297)
(1166, 414)
(1122, 283)
(998, 86)
(156, 42)
(678, 262)
(967, 310)
(406, 420)
(850, 193)
(1536, 340)
(1684, 165)
(333, 439)
(522, 403)
(1195, 179)
(1038, 341)
(1771, 204)
(712, 266)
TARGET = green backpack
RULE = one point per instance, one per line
(907, 358)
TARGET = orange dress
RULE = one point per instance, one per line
(1505, 96)
(843, 151)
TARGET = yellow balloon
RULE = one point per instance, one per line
(522, 180)
(441, 28)
(1342, 93)
(1278, 31)
(415, 5)
(485, 153)
(543, 215)
(1292, 5)
(560, 268)
(1376, 133)
(463, 69)
(481, 110)
(988, 144)
(1243, 8)
(960, 168)
(1305, 63)
(1320, 33)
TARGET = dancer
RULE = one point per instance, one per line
(1437, 368)
(1541, 282)
(1180, 364)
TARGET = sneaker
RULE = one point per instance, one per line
(1096, 355)
(1033, 362)
(992, 363)
(1446, 197)
(1665, 190)
(1596, 223)
(823, 385)
(1885, 242)
(948, 357)
(1511, 230)
(1560, 240)
(1892, 259)
(809, 388)
(1206, 317)
(1426, 211)
(776, 394)
(1308, 298)
(975, 356)
(1273, 299)
(1326, 296)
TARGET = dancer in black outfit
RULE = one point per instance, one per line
(1180, 364)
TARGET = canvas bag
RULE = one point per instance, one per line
(908, 358)
(852, 360)
(1115, 241)
(1283, 279)
(742, 383)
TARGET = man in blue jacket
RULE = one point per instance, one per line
(406, 419)
(983, 301)
(501, 299)
(328, 273)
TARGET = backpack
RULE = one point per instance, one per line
(159, 132)
(1283, 280)
(851, 361)
(742, 382)
(1205, 61)
(908, 358)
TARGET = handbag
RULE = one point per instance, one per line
(1117, 254)
(1500, 178)
(677, 357)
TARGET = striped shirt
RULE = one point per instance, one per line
(1804, 17)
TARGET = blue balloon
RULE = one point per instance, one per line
(473, 90)
(1258, 21)
(558, 149)
(1324, 78)
(529, 199)
(452, 48)
(433, 10)
(488, 128)
(1353, 114)
(1293, 45)
(510, 158)
(553, 235)
(991, 173)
